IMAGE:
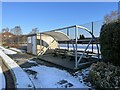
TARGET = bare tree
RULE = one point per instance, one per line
(5, 30)
(34, 31)
(17, 31)
(112, 17)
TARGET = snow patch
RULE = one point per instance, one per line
(49, 77)
(31, 61)
(17, 50)
(7, 51)
(2, 80)
(82, 75)
(21, 78)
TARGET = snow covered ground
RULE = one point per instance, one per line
(43, 76)
(21, 78)
(2, 80)
(82, 47)
(50, 77)
(17, 50)
(7, 51)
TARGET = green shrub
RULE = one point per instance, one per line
(110, 42)
(104, 75)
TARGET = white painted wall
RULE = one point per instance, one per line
(34, 45)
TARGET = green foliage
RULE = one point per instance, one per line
(104, 75)
(110, 42)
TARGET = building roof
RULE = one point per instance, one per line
(58, 36)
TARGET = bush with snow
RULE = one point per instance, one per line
(104, 75)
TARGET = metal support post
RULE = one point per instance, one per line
(76, 35)
(68, 35)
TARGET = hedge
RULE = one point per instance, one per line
(110, 43)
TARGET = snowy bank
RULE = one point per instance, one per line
(7, 51)
(50, 77)
(20, 77)
(2, 80)
(17, 50)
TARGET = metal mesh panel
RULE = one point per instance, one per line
(72, 33)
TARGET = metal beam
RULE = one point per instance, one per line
(92, 37)
(60, 29)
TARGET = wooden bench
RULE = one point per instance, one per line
(62, 52)
(66, 53)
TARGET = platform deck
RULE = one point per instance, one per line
(64, 62)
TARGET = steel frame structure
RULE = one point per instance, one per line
(77, 27)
